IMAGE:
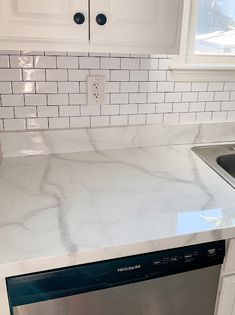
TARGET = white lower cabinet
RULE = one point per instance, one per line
(132, 26)
(226, 301)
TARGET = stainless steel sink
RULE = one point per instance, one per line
(221, 158)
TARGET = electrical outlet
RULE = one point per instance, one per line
(95, 90)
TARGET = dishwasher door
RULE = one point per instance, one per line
(191, 293)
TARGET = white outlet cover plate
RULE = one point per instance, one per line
(95, 90)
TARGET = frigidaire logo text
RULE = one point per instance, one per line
(128, 268)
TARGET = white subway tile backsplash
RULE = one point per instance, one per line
(5, 88)
(35, 99)
(4, 61)
(23, 87)
(89, 63)
(59, 123)
(34, 75)
(56, 75)
(41, 90)
(99, 121)
(25, 111)
(68, 87)
(37, 123)
(44, 62)
(70, 111)
(154, 119)
(79, 122)
(58, 99)
(67, 62)
(110, 63)
(10, 75)
(48, 111)
(14, 124)
(12, 100)
(21, 61)
(6, 112)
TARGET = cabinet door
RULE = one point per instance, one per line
(151, 26)
(226, 302)
(37, 20)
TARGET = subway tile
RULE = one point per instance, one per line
(35, 99)
(172, 118)
(139, 75)
(148, 86)
(79, 122)
(154, 119)
(32, 53)
(34, 75)
(219, 116)
(6, 112)
(68, 87)
(37, 123)
(164, 64)
(138, 98)
(23, 87)
(78, 75)
(216, 86)
(5, 88)
(45, 62)
(46, 87)
(137, 119)
(14, 124)
(13, 100)
(56, 75)
(173, 97)
(146, 108)
(222, 96)
(189, 97)
(199, 86)
(129, 87)
(203, 117)
(110, 63)
(148, 64)
(206, 96)
(121, 120)
(59, 123)
(165, 86)
(70, 111)
(197, 107)
(228, 106)
(10, 75)
(229, 86)
(99, 121)
(48, 111)
(213, 106)
(155, 75)
(119, 98)
(164, 108)
(120, 75)
(25, 111)
(126, 109)
(90, 110)
(21, 61)
(105, 73)
(110, 109)
(4, 61)
(58, 99)
(77, 99)
(130, 63)
(231, 116)
(113, 87)
(181, 107)
(182, 86)
(89, 63)
(187, 118)
(67, 62)
(156, 97)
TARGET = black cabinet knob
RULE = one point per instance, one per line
(79, 18)
(101, 19)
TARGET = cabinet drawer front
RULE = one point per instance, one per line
(43, 20)
(153, 24)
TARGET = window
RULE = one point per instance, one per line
(208, 41)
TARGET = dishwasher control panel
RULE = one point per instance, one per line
(53, 284)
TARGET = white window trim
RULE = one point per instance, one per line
(190, 67)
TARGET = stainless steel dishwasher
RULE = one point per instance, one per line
(170, 282)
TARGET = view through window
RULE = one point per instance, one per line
(215, 32)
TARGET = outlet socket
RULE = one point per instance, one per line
(95, 90)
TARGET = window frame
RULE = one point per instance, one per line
(194, 67)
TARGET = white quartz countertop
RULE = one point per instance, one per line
(65, 209)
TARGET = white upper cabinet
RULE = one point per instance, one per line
(43, 20)
(151, 25)
(134, 26)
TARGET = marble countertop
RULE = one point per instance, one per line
(65, 209)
